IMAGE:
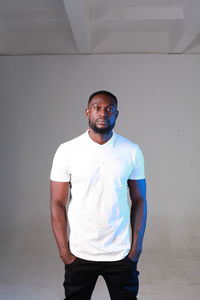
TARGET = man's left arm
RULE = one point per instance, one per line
(137, 190)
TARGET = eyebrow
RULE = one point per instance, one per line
(96, 104)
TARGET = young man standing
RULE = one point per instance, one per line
(105, 238)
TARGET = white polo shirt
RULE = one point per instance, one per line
(98, 212)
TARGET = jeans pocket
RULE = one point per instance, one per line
(127, 258)
(72, 263)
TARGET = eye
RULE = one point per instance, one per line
(109, 109)
(97, 108)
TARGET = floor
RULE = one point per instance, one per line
(39, 275)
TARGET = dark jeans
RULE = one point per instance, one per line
(121, 278)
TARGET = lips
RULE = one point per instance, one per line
(102, 122)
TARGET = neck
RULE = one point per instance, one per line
(98, 137)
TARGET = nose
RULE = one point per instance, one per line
(102, 112)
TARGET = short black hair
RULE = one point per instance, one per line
(103, 93)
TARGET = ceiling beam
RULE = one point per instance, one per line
(144, 13)
(185, 34)
(78, 15)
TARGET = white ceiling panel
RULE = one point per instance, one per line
(99, 26)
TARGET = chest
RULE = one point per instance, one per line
(91, 166)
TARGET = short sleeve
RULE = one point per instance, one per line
(138, 171)
(59, 170)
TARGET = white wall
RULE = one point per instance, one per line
(43, 100)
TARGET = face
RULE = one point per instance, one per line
(102, 114)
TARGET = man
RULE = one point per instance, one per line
(99, 167)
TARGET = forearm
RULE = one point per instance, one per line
(138, 225)
(59, 227)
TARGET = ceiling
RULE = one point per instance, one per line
(30, 27)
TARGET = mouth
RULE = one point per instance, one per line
(102, 122)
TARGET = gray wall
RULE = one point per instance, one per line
(43, 99)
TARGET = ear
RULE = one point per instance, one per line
(87, 113)
(117, 113)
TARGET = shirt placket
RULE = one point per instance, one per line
(102, 161)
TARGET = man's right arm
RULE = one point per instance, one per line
(59, 195)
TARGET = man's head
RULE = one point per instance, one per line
(102, 111)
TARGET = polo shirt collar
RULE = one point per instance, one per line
(109, 143)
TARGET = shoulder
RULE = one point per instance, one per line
(71, 145)
(125, 142)
(74, 142)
